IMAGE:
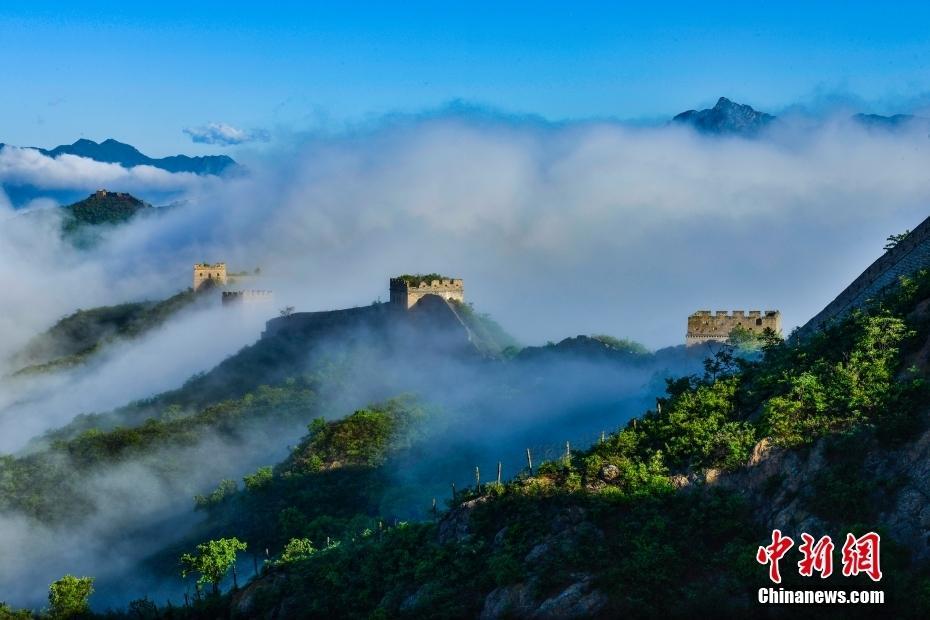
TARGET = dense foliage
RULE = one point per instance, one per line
(613, 513)
(77, 336)
(613, 518)
(47, 484)
(68, 597)
(335, 482)
(110, 208)
(421, 278)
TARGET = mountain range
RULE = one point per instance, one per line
(730, 118)
(115, 152)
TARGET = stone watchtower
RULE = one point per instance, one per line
(407, 290)
(704, 326)
(207, 274)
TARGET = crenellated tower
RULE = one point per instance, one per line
(704, 326)
(407, 290)
(206, 274)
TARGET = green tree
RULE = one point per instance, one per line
(67, 597)
(297, 549)
(259, 479)
(893, 240)
(8, 613)
(212, 561)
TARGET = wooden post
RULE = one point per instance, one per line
(434, 507)
(235, 576)
(453, 492)
(477, 480)
(327, 542)
(498, 474)
(568, 453)
(529, 460)
(603, 436)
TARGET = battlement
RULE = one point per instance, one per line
(705, 326)
(908, 256)
(406, 291)
(232, 297)
(103, 193)
(206, 274)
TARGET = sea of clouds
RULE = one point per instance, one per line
(557, 229)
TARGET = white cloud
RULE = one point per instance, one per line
(224, 134)
(27, 166)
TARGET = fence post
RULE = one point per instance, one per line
(498, 474)
(529, 461)
(477, 480)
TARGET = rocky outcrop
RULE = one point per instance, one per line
(454, 526)
(726, 117)
(779, 485)
(578, 600)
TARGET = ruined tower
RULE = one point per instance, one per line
(703, 326)
(407, 290)
(205, 273)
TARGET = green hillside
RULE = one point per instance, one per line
(660, 519)
(74, 338)
(103, 207)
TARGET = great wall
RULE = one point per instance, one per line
(408, 293)
(909, 255)
(703, 326)
(411, 302)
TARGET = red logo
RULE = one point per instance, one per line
(817, 557)
(860, 555)
(773, 553)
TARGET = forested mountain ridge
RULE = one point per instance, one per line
(661, 517)
(75, 338)
(115, 152)
(664, 516)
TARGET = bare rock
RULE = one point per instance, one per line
(454, 526)
(579, 600)
(609, 473)
(515, 601)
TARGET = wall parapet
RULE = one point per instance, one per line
(908, 256)
(406, 294)
(705, 326)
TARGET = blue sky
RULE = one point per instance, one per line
(143, 73)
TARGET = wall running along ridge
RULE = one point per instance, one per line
(909, 256)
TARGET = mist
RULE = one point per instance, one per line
(557, 230)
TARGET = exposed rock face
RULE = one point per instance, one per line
(578, 600)
(726, 117)
(609, 473)
(454, 525)
(779, 483)
(243, 601)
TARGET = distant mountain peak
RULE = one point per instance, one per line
(726, 117)
(893, 122)
(112, 151)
